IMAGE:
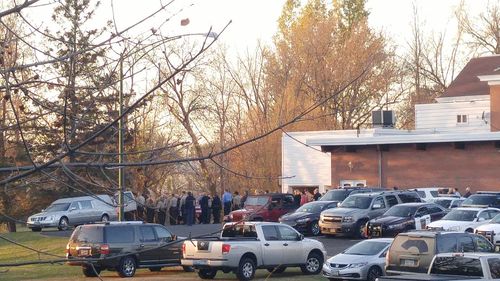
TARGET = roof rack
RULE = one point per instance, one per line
(124, 222)
(449, 195)
(474, 206)
(488, 192)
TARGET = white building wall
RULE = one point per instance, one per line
(304, 165)
(443, 115)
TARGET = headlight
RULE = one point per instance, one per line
(303, 220)
(348, 219)
(356, 265)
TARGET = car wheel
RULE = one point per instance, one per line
(187, 268)
(63, 224)
(246, 269)
(361, 228)
(279, 269)
(126, 267)
(207, 273)
(105, 218)
(36, 229)
(373, 273)
(91, 271)
(155, 269)
(469, 230)
(313, 264)
(314, 228)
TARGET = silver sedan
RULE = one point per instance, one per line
(363, 261)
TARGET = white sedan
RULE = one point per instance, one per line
(491, 230)
(464, 219)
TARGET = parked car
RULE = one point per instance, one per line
(338, 195)
(457, 266)
(491, 230)
(264, 207)
(129, 241)
(66, 212)
(412, 252)
(363, 261)
(429, 193)
(351, 216)
(244, 247)
(448, 202)
(129, 204)
(305, 219)
(483, 199)
(404, 217)
(464, 219)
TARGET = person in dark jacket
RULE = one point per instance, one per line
(190, 208)
(150, 210)
(317, 195)
(204, 208)
(244, 199)
(216, 206)
(296, 198)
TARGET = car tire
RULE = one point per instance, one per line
(314, 264)
(187, 268)
(104, 218)
(278, 269)
(469, 230)
(36, 229)
(90, 271)
(361, 229)
(63, 224)
(314, 228)
(155, 269)
(126, 267)
(246, 269)
(207, 273)
(373, 273)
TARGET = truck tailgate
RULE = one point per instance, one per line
(203, 249)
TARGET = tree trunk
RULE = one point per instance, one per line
(11, 226)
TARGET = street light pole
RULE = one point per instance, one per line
(121, 175)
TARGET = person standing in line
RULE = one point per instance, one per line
(244, 199)
(296, 198)
(173, 210)
(150, 210)
(467, 192)
(209, 213)
(204, 208)
(303, 198)
(227, 200)
(236, 201)
(160, 207)
(456, 193)
(216, 206)
(183, 207)
(317, 195)
(190, 204)
(141, 201)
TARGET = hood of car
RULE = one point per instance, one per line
(342, 212)
(450, 225)
(489, 227)
(47, 214)
(349, 259)
(297, 215)
(388, 220)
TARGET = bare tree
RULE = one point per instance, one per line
(483, 32)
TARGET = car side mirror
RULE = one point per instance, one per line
(481, 219)
(174, 237)
(72, 209)
(301, 237)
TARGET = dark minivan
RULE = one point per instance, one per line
(135, 245)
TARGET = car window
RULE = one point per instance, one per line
(483, 245)
(119, 234)
(456, 203)
(422, 212)
(421, 245)
(465, 244)
(379, 201)
(240, 230)
(447, 244)
(434, 209)
(492, 213)
(494, 264)
(163, 234)
(270, 233)
(288, 234)
(74, 206)
(484, 215)
(88, 234)
(85, 205)
(391, 200)
(457, 266)
(434, 193)
(409, 197)
(147, 234)
(421, 193)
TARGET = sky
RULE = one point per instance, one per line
(254, 20)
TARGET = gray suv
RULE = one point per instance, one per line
(351, 217)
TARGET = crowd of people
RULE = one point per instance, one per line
(187, 208)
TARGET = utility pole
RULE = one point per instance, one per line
(121, 175)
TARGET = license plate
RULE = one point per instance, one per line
(84, 252)
(200, 262)
(335, 273)
(408, 263)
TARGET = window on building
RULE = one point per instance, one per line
(462, 119)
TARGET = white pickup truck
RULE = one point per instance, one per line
(456, 266)
(244, 247)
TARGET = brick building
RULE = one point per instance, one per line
(456, 142)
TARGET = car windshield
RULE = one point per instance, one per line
(57, 207)
(495, 219)
(357, 202)
(367, 248)
(256, 201)
(460, 215)
(445, 203)
(311, 208)
(335, 195)
(479, 200)
(401, 211)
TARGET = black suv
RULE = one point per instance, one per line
(412, 252)
(135, 245)
(483, 198)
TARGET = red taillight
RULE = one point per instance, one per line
(104, 249)
(226, 248)
(183, 249)
(67, 248)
